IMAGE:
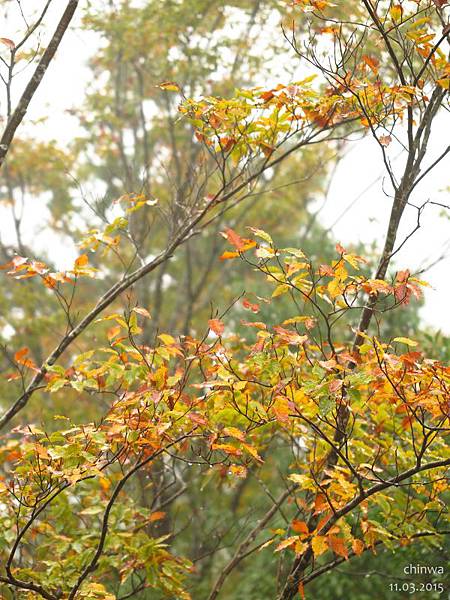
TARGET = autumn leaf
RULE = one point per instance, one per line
(234, 239)
(372, 62)
(290, 337)
(157, 516)
(385, 140)
(396, 12)
(169, 86)
(167, 339)
(319, 544)
(234, 432)
(81, 261)
(290, 541)
(227, 255)
(337, 545)
(250, 305)
(7, 42)
(300, 527)
(404, 340)
(216, 326)
(358, 546)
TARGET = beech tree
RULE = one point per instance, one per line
(326, 437)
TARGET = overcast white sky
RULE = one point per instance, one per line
(366, 221)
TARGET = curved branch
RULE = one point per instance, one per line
(35, 81)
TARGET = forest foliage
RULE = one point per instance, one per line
(215, 399)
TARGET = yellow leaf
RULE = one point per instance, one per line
(319, 545)
(234, 432)
(404, 340)
(444, 83)
(169, 86)
(396, 12)
(167, 339)
(280, 289)
(298, 479)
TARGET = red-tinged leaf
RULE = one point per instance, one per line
(196, 418)
(326, 270)
(385, 140)
(337, 544)
(49, 282)
(216, 326)
(372, 62)
(335, 385)
(20, 354)
(290, 541)
(266, 96)
(402, 276)
(300, 527)
(340, 249)
(227, 143)
(440, 3)
(227, 255)
(256, 324)
(239, 471)
(323, 521)
(234, 239)
(7, 42)
(13, 376)
(411, 358)
(20, 357)
(81, 261)
(250, 305)
(290, 337)
(320, 504)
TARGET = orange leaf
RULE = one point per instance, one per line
(300, 527)
(81, 261)
(234, 239)
(157, 516)
(320, 504)
(216, 326)
(290, 541)
(227, 255)
(371, 62)
(337, 544)
(358, 546)
(301, 590)
(20, 354)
